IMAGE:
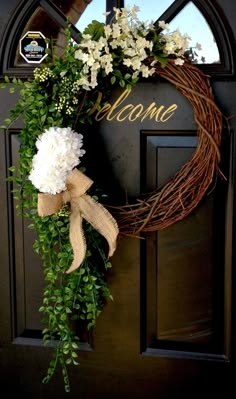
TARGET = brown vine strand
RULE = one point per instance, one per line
(183, 192)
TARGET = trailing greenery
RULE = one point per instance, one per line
(65, 92)
(67, 298)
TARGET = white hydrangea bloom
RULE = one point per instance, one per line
(59, 152)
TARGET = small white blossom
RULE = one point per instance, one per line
(117, 12)
(145, 71)
(116, 30)
(163, 25)
(134, 11)
(107, 31)
(179, 61)
(198, 46)
(59, 151)
(127, 62)
(42, 74)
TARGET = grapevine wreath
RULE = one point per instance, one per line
(182, 193)
(50, 183)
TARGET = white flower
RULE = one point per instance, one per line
(179, 61)
(59, 151)
(127, 62)
(145, 71)
(86, 37)
(117, 12)
(169, 48)
(107, 31)
(116, 30)
(198, 46)
(134, 11)
(163, 25)
(80, 55)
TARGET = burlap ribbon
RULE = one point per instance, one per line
(82, 206)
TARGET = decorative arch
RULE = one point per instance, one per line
(221, 31)
(212, 13)
(14, 29)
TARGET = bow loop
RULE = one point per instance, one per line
(82, 206)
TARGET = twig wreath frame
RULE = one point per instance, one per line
(64, 94)
(183, 192)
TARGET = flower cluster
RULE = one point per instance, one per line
(41, 75)
(125, 41)
(59, 151)
(123, 37)
(121, 52)
(175, 43)
(67, 97)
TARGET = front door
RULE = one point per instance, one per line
(169, 332)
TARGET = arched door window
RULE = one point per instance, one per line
(202, 22)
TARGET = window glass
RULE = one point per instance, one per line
(95, 10)
(189, 20)
(82, 12)
(150, 10)
(39, 21)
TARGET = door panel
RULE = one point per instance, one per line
(183, 255)
(169, 332)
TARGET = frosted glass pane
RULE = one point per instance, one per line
(191, 21)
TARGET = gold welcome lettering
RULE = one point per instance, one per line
(121, 112)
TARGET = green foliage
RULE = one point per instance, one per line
(95, 29)
(60, 93)
(71, 298)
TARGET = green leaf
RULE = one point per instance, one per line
(95, 29)
(127, 76)
(113, 80)
(8, 121)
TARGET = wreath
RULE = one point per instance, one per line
(76, 234)
(183, 192)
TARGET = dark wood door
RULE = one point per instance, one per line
(169, 333)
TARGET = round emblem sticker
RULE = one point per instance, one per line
(33, 47)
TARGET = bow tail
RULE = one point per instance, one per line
(77, 239)
(100, 219)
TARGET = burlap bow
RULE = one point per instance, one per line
(82, 206)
